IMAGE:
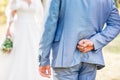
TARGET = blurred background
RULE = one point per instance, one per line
(111, 51)
(3, 4)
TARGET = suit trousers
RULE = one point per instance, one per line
(82, 71)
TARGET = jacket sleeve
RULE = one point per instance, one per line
(111, 30)
(48, 33)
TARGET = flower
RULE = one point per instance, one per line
(7, 45)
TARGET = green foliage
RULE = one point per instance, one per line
(7, 45)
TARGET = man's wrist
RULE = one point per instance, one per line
(44, 62)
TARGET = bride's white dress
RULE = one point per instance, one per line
(22, 62)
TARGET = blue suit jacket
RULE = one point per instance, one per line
(70, 21)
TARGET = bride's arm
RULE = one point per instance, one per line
(9, 22)
(10, 13)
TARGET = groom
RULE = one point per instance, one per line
(74, 30)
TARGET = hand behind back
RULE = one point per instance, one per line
(85, 45)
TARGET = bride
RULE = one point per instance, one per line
(26, 18)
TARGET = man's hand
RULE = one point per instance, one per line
(85, 45)
(45, 71)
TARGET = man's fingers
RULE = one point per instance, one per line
(45, 75)
(49, 71)
(45, 71)
(84, 49)
(83, 43)
(80, 48)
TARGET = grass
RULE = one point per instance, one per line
(114, 46)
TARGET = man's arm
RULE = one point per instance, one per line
(110, 32)
(49, 32)
(103, 38)
(47, 38)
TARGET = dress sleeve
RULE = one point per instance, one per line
(12, 5)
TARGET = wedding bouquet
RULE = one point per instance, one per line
(7, 45)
